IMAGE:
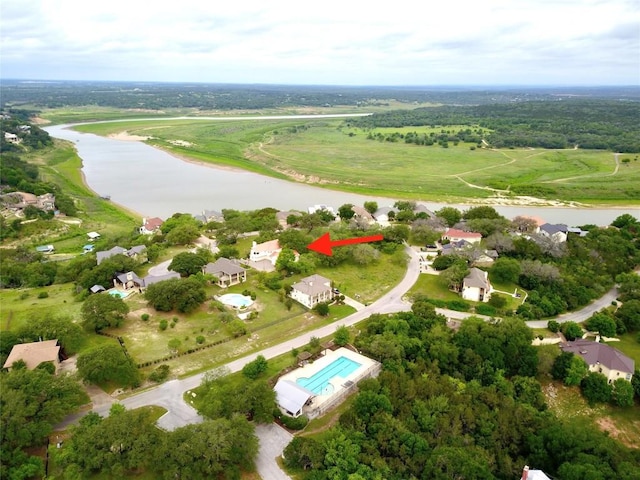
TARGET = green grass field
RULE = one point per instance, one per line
(326, 153)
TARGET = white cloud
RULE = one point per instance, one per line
(338, 42)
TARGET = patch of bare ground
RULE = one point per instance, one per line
(608, 425)
(39, 120)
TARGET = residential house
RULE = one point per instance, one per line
(602, 358)
(363, 214)
(12, 138)
(557, 233)
(226, 271)
(420, 209)
(317, 208)
(484, 259)
(455, 247)
(93, 236)
(151, 225)
(20, 200)
(383, 215)
(455, 235)
(312, 290)
(138, 253)
(128, 280)
(531, 474)
(210, 216)
(33, 354)
(104, 254)
(265, 251)
(282, 216)
(151, 279)
(46, 201)
(476, 286)
(97, 289)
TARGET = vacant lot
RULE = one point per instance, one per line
(325, 152)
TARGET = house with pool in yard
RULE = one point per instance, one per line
(324, 383)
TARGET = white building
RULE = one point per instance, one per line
(312, 290)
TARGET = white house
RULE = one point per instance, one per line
(476, 286)
(455, 235)
(602, 358)
(312, 290)
(150, 225)
(557, 232)
(265, 251)
(382, 215)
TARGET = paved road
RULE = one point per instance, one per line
(170, 394)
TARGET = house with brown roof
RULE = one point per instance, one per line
(35, 353)
(455, 235)
(312, 290)
(363, 213)
(602, 358)
(151, 225)
(476, 286)
(226, 272)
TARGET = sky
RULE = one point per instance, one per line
(328, 42)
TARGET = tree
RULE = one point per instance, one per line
(601, 323)
(483, 211)
(524, 224)
(187, 263)
(371, 207)
(453, 276)
(629, 314)
(622, 393)
(108, 363)
(255, 368)
(561, 365)
(346, 212)
(183, 235)
(364, 254)
(286, 260)
(184, 295)
(342, 336)
(450, 215)
(596, 388)
(422, 233)
(506, 270)
(322, 309)
(571, 330)
(49, 327)
(576, 371)
(102, 311)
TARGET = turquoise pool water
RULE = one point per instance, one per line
(236, 300)
(319, 382)
(118, 293)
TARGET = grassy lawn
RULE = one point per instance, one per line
(628, 345)
(19, 305)
(432, 287)
(326, 153)
(567, 403)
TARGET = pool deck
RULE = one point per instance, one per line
(340, 385)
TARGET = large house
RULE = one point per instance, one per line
(383, 215)
(131, 280)
(363, 214)
(455, 235)
(35, 353)
(137, 253)
(227, 272)
(557, 233)
(476, 286)
(150, 225)
(312, 290)
(602, 358)
(265, 251)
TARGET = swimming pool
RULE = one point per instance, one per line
(118, 293)
(319, 384)
(236, 300)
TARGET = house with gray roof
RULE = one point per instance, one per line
(312, 290)
(227, 272)
(383, 214)
(476, 286)
(602, 358)
(151, 279)
(291, 397)
(137, 253)
(556, 232)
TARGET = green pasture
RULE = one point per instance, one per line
(327, 153)
(628, 345)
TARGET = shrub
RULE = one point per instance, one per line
(497, 301)
(253, 369)
(485, 310)
(163, 324)
(294, 423)
(160, 374)
(458, 305)
(43, 295)
(144, 317)
(553, 326)
(200, 339)
(322, 309)
(236, 328)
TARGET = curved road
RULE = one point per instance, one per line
(170, 395)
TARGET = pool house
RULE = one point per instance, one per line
(320, 385)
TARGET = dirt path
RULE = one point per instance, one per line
(616, 157)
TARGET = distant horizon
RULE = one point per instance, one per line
(337, 85)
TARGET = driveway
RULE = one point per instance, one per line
(273, 439)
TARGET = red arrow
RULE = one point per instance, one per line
(324, 244)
